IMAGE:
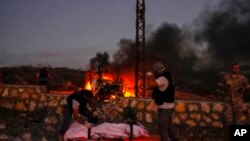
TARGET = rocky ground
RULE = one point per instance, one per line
(43, 126)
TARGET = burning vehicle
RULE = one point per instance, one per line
(107, 85)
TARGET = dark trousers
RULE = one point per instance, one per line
(165, 125)
(66, 120)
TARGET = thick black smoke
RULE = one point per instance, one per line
(99, 60)
(124, 58)
(227, 31)
(164, 45)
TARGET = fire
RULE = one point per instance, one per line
(124, 81)
(108, 76)
(128, 88)
(128, 94)
(88, 86)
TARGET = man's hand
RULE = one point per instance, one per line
(95, 114)
(247, 87)
(149, 73)
(88, 125)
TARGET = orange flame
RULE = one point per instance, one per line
(108, 76)
(128, 89)
(88, 86)
(127, 77)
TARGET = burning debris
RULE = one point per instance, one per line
(107, 85)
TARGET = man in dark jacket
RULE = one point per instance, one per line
(43, 78)
(79, 104)
(163, 94)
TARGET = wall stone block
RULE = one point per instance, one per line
(40, 106)
(149, 117)
(205, 107)
(53, 103)
(20, 90)
(191, 123)
(24, 95)
(207, 119)
(34, 96)
(141, 105)
(193, 107)
(218, 107)
(14, 93)
(217, 124)
(195, 116)
(32, 105)
(139, 116)
(180, 107)
(31, 90)
(43, 98)
(133, 103)
(20, 106)
(151, 106)
(5, 92)
(215, 116)
(183, 116)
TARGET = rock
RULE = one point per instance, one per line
(2, 126)
(17, 139)
(26, 137)
(4, 137)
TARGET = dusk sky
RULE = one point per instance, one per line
(68, 33)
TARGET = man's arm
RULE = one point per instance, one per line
(223, 84)
(151, 83)
(49, 76)
(81, 119)
(247, 85)
(77, 116)
(37, 77)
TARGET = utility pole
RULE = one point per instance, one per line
(140, 49)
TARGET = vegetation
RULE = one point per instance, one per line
(62, 78)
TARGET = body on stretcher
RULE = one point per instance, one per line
(107, 131)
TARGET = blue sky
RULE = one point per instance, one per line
(68, 33)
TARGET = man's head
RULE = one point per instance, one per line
(235, 68)
(158, 68)
(88, 95)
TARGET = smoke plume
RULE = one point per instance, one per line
(227, 31)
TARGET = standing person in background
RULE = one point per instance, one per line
(43, 78)
(1, 76)
(234, 85)
(163, 94)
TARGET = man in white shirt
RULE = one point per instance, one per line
(163, 94)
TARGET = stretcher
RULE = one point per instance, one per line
(107, 132)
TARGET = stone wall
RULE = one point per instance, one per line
(192, 113)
